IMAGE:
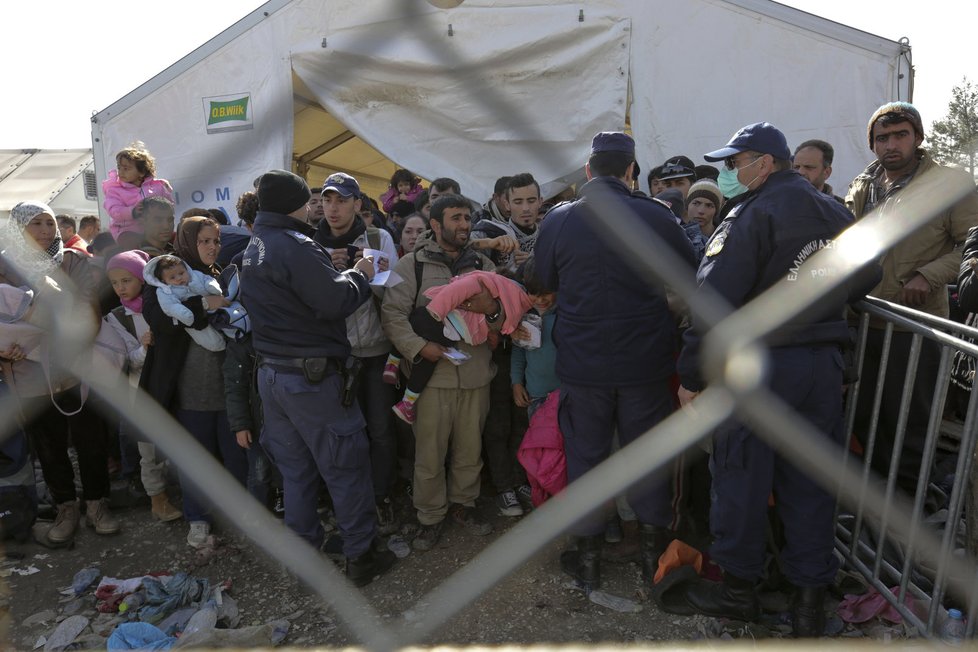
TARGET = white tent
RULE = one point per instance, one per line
(62, 178)
(495, 87)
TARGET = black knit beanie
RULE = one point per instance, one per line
(707, 189)
(280, 191)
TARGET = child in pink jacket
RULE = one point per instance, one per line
(132, 180)
(446, 311)
(404, 187)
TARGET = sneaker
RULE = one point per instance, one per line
(468, 519)
(278, 504)
(390, 373)
(405, 411)
(428, 536)
(508, 504)
(386, 523)
(98, 516)
(199, 533)
(524, 494)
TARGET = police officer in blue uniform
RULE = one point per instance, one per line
(298, 304)
(779, 221)
(616, 341)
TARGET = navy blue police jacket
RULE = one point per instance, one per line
(765, 238)
(297, 301)
(613, 328)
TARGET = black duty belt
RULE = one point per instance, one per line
(332, 366)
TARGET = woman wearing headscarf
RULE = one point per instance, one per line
(51, 399)
(186, 378)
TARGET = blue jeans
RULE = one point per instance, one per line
(259, 473)
(211, 430)
(376, 398)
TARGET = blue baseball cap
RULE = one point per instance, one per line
(612, 141)
(761, 137)
(342, 183)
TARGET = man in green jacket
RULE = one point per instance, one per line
(916, 272)
(452, 409)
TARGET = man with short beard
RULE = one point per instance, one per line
(507, 422)
(520, 222)
(316, 208)
(916, 272)
(452, 409)
(155, 215)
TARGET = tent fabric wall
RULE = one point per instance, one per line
(705, 68)
(212, 169)
(528, 84)
(494, 97)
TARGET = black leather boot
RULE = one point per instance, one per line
(584, 564)
(808, 612)
(733, 598)
(363, 569)
(653, 541)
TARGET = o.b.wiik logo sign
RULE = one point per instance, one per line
(228, 113)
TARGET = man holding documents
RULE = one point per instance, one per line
(452, 409)
(346, 237)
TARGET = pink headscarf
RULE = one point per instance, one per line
(132, 261)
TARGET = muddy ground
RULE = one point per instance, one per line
(532, 605)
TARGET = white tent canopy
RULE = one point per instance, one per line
(495, 87)
(62, 178)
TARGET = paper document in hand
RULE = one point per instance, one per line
(377, 254)
(455, 356)
(532, 325)
(386, 279)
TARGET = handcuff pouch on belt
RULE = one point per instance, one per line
(315, 369)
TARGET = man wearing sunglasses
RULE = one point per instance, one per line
(778, 222)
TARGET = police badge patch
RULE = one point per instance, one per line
(715, 245)
(300, 237)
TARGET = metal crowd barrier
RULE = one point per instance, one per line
(866, 543)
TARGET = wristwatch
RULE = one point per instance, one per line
(494, 316)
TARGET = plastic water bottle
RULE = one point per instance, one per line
(204, 619)
(953, 628)
(132, 602)
(83, 579)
